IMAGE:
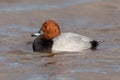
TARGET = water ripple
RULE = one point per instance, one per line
(43, 6)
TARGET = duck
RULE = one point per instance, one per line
(50, 39)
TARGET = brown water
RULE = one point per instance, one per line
(99, 19)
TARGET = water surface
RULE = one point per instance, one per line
(97, 19)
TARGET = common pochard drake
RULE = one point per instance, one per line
(50, 39)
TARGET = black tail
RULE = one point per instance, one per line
(94, 44)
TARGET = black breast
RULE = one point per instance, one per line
(42, 45)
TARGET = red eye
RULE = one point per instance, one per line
(45, 26)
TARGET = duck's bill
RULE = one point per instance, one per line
(35, 34)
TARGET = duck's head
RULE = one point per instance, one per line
(50, 30)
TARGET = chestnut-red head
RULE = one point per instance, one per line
(50, 29)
